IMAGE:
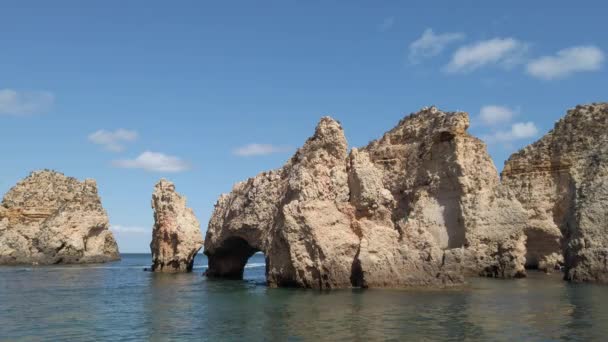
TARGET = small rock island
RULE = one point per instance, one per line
(176, 236)
(49, 218)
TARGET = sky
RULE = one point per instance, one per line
(207, 94)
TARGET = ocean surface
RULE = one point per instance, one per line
(120, 301)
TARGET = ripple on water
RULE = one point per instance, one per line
(119, 301)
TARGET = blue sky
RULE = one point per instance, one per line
(209, 93)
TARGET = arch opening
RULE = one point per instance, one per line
(543, 250)
(229, 260)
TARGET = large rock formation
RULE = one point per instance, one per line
(562, 181)
(49, 218)
(176, 236)
(443, 184)
(422, 206)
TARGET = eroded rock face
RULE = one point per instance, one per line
(49, 218)
(562, 181)
(422, 206)
(176, 236)
(297, 215)
(446, 193)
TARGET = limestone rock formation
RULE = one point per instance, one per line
(444, 186)
(562, 181)
(176, 236)
(49, 218)
(422, 206)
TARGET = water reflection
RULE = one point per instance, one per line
(588, 317)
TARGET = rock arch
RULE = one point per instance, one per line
(229, 259)
(402, 211)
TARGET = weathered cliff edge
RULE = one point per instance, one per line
(49, 218)
(562, 181)
(421, 206)
(176, 235)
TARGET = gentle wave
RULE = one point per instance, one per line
(252, 265)
(87, 267)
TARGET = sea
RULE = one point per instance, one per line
(120, 301)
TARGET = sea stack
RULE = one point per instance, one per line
(562, 182)
(421, 206)
(176, 236)
(49, 218)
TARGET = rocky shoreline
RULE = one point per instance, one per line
(421, 206)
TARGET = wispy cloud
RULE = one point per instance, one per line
(259, 150)
(518, 131)
(386, 24)
(492, 115)
(566, 62)
(431, 44)
(17, 103)
(498, 51)
(155, 162)
(113, 141)
(119, 229)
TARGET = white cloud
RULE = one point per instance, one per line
(259, 150)
(113, 141)
(431, 44)
(24, 103)
(567, 62)
(118, 229)
(387, 24)
(497, 51)
(154, 161)
(519, 130)
(494, 115)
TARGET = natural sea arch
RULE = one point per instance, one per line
(229, 260)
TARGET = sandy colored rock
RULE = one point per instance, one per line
(176, 235)
(421, 206)
(447, 202)
(277, 212)
(562, 182)
(49, 218)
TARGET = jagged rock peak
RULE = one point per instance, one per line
(50, 218)
(581, 130)
(428, 122)
(165, 185)
(176, 235)
(329, 138)
(47, 188)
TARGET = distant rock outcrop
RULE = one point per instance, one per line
(422, 206)
(562, 181)
(176, 236)
(49, 218)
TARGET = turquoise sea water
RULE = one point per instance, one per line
(119, 301)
